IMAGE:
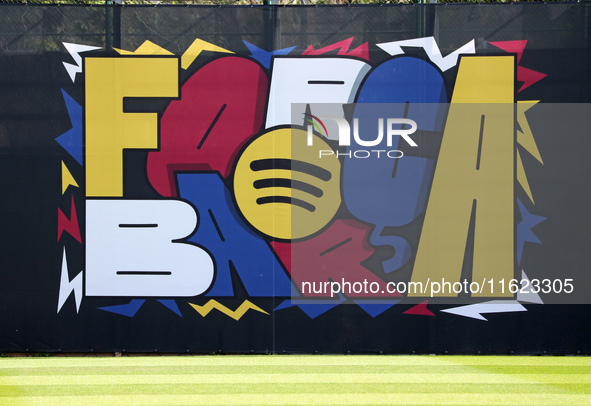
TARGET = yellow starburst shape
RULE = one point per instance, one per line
(194, 50)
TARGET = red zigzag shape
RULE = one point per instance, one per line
(68, 225)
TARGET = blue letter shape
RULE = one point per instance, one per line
(223, 233)
(392, 191)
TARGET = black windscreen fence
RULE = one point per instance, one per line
(333, 179)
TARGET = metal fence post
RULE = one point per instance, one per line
(113, 24)
(108, 25)
(117, 6)
(270, 20)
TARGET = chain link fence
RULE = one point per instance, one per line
(34, 26)
(255, 2)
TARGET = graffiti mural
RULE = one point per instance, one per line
(240, 188)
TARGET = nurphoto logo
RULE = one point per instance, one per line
(394, 127)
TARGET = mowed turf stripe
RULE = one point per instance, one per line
(296, 380)
(311, 369)
(295, 360)
(291, 388)
(328, 377)
(308, 399)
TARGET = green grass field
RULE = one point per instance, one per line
(296, 380)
